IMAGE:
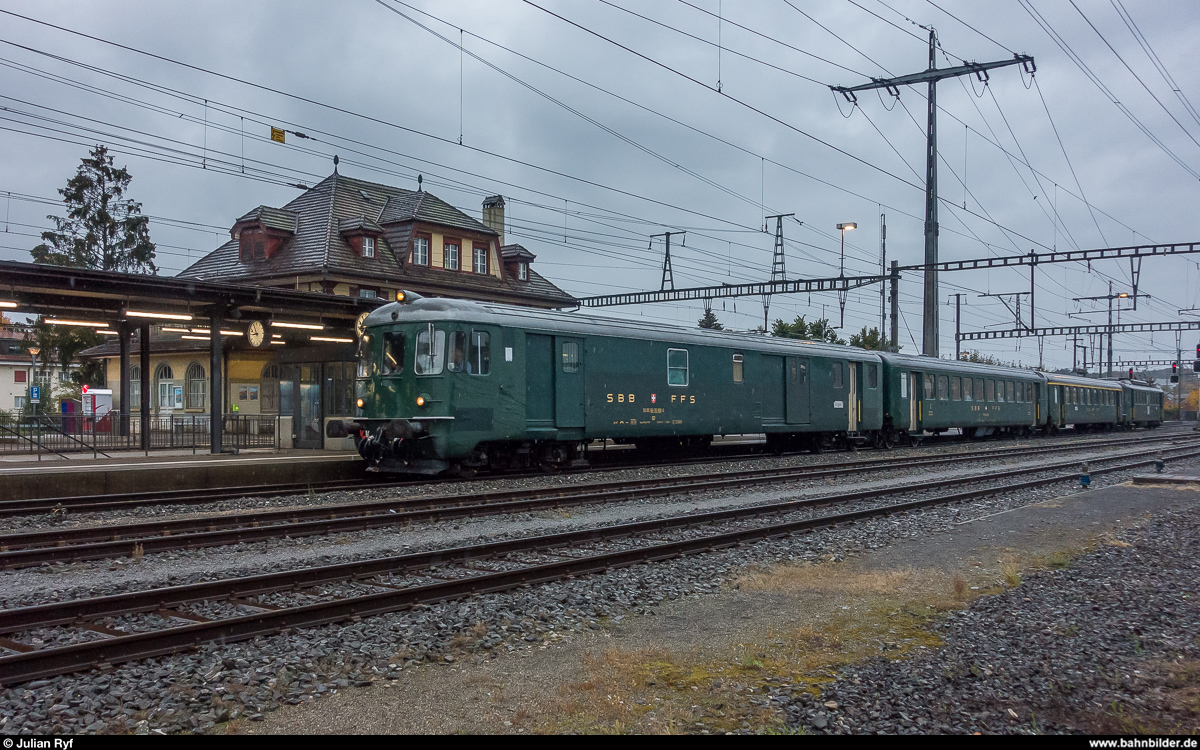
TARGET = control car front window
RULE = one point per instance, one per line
(430, 354)
(393, 353)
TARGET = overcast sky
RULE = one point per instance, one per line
(599, 140)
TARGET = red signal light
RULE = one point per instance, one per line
(1131, 373)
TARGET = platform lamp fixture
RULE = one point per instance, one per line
(843, 228)
(33, 352)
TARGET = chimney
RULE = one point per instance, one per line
(493, 215)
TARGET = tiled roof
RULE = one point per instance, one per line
(358, 223)
(516, 251)
(274, 218)
(322, 213)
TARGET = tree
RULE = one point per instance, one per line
(819, 330)
(103, 229)
(710, 321)
(870, 340)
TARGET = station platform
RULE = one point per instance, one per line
(23, 478)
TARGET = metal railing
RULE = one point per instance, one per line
(59, 434)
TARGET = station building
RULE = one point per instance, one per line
(344, 237)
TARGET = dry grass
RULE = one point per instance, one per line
(138, 553)
(959, 584)
(1011, 571)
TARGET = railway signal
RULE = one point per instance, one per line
(1174, 372)
(1131, 373)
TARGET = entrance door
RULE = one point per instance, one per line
(914, 401)
(796, 387)
(854, 407)
(568, 383)
(539, 380)
(774, 387)
(308, 407)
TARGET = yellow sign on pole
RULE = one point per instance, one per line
(277, 135)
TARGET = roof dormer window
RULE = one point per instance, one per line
(523, 271)
(368, 247)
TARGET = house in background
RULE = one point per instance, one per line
(343, 236)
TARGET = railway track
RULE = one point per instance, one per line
(58, 545)
(399, 582)
(129, 501)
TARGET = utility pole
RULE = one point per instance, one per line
(957, 326)
(1016, 308)
(929, 342)
(895, 306)
(778, 271)
(882, 271)
(668, 277)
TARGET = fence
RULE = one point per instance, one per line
(79, 433)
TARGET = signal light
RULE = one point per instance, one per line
(1174, 368)
(1197, 351)
(1131, 373)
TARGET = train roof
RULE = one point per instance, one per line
(1135, 386)
(933, 364)
(1057, 379)
(440, 309)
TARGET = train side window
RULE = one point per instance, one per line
(904, 385)
(458, 352)
(872, 376)
(956, 388)
(928, 387)
(430, 354)
(480, 360)
(570, 356)
(991, 390)
(979, 389)
(738, 372)
(1010, 389)
(677, 367)
(803, 371)
(393, 353)
(967, 388)
(942, 389)
(837, 374)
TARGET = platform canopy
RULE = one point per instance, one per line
(123, 303)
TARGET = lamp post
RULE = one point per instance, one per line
(843, 228)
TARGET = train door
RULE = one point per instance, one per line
(774, 388)
(539, 381)
(854, 407)
(1060, 404)
(796, 388)
(568, 383)
(914, 402)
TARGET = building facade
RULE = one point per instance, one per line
(343, 237)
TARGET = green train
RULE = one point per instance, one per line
(447, 384)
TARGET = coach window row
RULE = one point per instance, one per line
(1089, 397)
(957, 388)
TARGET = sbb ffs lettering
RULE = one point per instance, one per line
(621, 398)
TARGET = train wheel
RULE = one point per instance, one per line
(464, 472)
(877, 440)
(913, 441)
(889, 440)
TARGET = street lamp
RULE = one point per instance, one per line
(843, 228)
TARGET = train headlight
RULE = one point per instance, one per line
(359, 403)
(422, 400)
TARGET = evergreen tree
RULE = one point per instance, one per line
(103, 229)
(871, 339)
(818, 330)
(710, 321)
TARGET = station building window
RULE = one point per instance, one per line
(135, 389)
(450, 256)
(196, 386)
(677, 367)
(420, 256)
(480, 360)
(480, 258)
(737, 368)
(165, 380)
(269, 389)
(368, 247)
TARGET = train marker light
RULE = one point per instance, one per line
(422, 400)
(359, 403)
